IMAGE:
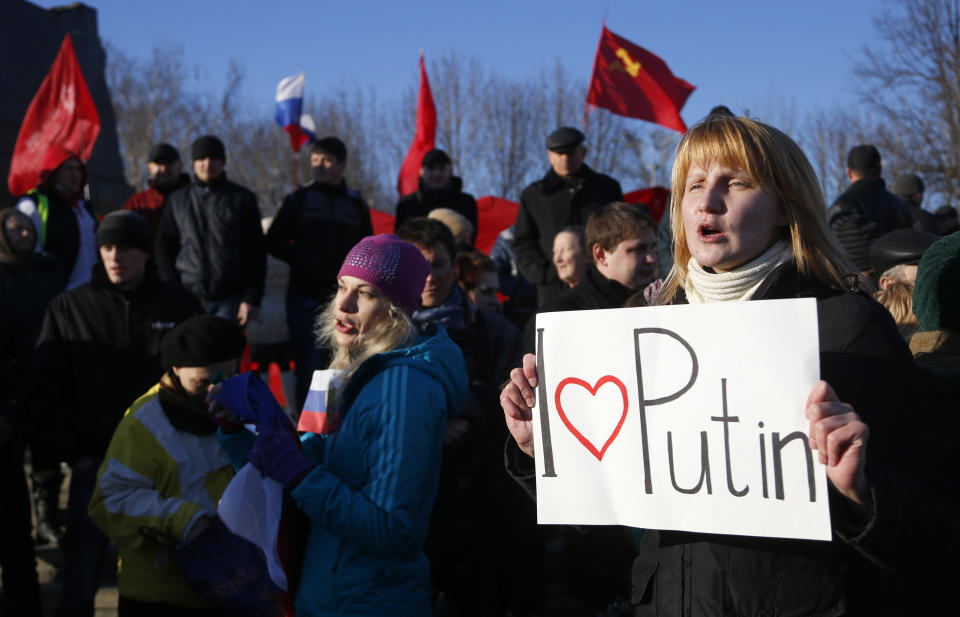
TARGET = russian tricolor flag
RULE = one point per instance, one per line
(290, 109)
(308, 128)
(321, 412)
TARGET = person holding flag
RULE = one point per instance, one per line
(369, 487)
(48, 167)
(65, 222)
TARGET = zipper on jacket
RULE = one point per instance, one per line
(684, 583)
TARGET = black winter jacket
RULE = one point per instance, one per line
(547, 206)
(423, 201)
(26, 288)
(594, 291)
(879, 560)
(98, 351)
(210, 241)
(863, 213)
(316, 227)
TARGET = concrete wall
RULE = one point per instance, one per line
(30, 38)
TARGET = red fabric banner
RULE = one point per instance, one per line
(654, 198)
(630, 81)
(424, 139)
(62, 113)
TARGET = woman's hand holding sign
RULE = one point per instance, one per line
(518, 399)
(840, 437)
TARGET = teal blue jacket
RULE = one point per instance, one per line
(370, 497)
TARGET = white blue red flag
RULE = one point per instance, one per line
(290, 106)
(308, 128)
(321, 411)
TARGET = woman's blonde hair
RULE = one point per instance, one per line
(898, 299)
(778, 165)
(395, 330)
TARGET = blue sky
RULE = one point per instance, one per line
(760, 56)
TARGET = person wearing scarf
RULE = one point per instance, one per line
(748, 219)
(165, 469)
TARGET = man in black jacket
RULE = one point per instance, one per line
(438, 188)
(210, 240)
(565, 196)
(316, 227)
(866, 210)
(97, 352)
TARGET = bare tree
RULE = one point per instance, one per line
(457, 86)
(509, 144)
(911, 79)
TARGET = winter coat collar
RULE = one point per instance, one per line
(443, 194)
(434, 354)
(552, 182)
(601, 291)
(215, 185)
(332, 190)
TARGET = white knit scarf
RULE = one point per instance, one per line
(737, 285)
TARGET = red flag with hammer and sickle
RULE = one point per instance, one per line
(61, 113)
(630, 81)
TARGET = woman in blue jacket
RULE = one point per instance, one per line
(368, 488)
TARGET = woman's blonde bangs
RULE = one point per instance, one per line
(774, 161)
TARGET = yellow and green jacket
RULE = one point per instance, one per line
(156, 476)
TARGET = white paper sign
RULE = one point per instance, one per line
(683, 417)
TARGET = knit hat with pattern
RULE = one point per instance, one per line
(395, 267)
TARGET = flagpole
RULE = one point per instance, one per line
(296, 171)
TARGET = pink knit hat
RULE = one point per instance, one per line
(395, 267)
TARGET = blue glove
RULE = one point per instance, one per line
(277, 454)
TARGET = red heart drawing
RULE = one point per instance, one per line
(593, 392)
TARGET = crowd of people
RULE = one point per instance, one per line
(122, 340)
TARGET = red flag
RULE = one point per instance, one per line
(62, 113)
(424, 139)
(630, 81)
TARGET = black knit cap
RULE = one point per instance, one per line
(125, 228)
(163, 153)
(865, 160)
(201, 341)
(435, 158)
(332, 146)
(208, 146)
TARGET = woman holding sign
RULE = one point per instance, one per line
(368, 485)
(749, 221)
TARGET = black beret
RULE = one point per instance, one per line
(864, 159)
(907, 185)
(125, 228)
(201, 341)
(208, 146)
(902, 246)
(163, 153)
(435, 158)
(332, 146)
(565, 139)
(936, 295)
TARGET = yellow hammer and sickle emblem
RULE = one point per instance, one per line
(632, 66)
